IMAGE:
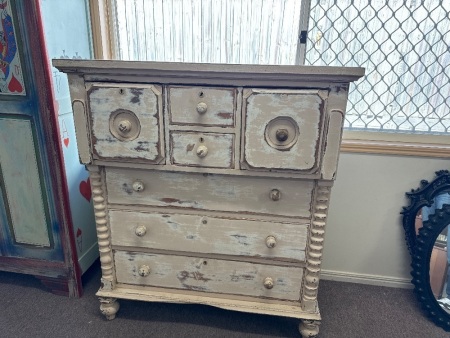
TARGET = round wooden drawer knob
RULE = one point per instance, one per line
(144, 270)
(271, 241)
(140, 231)
(275, 195)
(138, 186)
(268, 283)
(124, 126)
(282, 135)
(202, 151)
(202, 108)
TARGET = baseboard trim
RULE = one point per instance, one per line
(347, 277)
(89, 257)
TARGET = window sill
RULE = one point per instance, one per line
(396, 144)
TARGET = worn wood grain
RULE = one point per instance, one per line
(208, 275)
(220, 105)
(238, 200)
(145, 102)
(304, 108)
(333, 140)
(210, 192)
(185, 148)
(81, 120)
(208, 234)
(267, 306)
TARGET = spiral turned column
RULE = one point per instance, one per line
(315, 248)
(103, 233)
(108, 306)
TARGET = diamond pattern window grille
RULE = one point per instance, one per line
(405, 48)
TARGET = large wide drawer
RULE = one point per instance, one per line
(250, 195)
(208, 275)
(205, 234)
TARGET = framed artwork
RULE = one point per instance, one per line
(11, 78)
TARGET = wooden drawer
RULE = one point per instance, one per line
(205, 234)
(206, 106)
(208, 275)
(283, 129)
(202, 149)
(251, 195)
(126, 121)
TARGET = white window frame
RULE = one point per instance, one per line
(370, 142)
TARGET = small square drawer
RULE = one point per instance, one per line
(202, 149)
(204, 106)
(126, 121)
(283, 129)
(208, 275)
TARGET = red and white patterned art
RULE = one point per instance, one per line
(11, 79)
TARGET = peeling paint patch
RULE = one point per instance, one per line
(190, 147)
(170, 200)
(185, 275)
(137, 92)
(225, 115)
(127, 189)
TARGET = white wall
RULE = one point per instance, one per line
(364, 240)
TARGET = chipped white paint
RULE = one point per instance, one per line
(202, 149)
(209, 275)
(249, 195)
(207, 234)
(305, 108)
(202, 106)
(82, 131)
(236, 216)
(334, 135)
(144, 102)
(231, 302)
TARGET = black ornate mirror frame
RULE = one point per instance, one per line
(420, 246)
(421, 197)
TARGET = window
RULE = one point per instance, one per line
(404, 46)
(210, 31)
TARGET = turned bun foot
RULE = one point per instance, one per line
(309, 328)
(109, 307)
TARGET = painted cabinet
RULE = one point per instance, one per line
(214, 193)
(45, 198)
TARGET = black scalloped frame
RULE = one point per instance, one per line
(421, 266)
(420, 197)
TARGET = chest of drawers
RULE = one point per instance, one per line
(211, 183)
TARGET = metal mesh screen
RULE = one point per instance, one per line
(405, 48)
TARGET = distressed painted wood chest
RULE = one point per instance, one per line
(211, 183)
